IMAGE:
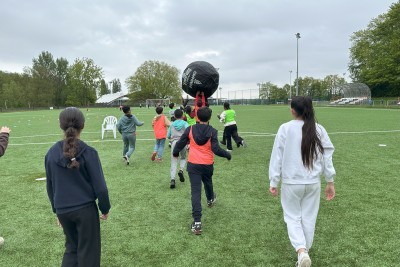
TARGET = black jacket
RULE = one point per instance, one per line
(73, 189)
(201, 134)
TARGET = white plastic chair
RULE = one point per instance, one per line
(109, 124)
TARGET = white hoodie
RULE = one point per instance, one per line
(286, 162)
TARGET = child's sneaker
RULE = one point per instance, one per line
(159, 160)
(229, 150)
(243, 143)
(126, 159)
(196, 228)
(172, 184)
(304, 260)
(180, 174)
(211, 202)
(153, 156)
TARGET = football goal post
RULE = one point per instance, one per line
(157, 102)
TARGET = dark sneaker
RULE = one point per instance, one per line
(169, 144)
(180, 174)
(223, 143)
(126, 159)
(153, 157)
(172, 184)
(211, 202)
(238, 144)
(196, 228)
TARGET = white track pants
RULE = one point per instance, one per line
(300, 203)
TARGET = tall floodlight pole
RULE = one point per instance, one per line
(297, 70)
(220, 92)
(290, 84)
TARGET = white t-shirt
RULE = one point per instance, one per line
(286, 162)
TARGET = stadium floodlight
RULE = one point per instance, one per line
(297, 71)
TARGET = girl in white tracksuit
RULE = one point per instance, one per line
(302, 152)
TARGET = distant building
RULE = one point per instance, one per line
(116, 99)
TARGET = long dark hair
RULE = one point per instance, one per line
(310, 141)
(71, 122)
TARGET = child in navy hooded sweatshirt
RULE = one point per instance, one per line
(203, 140)
(74, 181)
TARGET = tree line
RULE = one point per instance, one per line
(54, 82)
(374, 60)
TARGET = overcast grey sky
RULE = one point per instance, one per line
(250, 41)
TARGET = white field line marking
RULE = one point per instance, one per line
(366, 132)
(61, 134)
(151, 139)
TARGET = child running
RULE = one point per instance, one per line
(203, 141)
(175, 131)
(127, 127)
(190, 116)
(160, 124)
(302, 151)
(171, 113)
(230, 128)
(75, 180)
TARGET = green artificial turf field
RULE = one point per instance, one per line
(149, 224)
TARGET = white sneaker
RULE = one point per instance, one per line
(228, 150)
(126, 159)
(243, 143)
(304, 260)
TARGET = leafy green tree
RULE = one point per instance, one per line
(83, 80)
(44, 78)
(61, 82)
(103, 88)
(278, 93)
(154, 79)
(116, 86)
(375, 54)
(266, 88)
(331, 84)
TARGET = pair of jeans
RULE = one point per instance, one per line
(129, 143)
(159, 147)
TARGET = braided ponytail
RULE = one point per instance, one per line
(71, 122)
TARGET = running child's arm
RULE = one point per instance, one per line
(275, 163)
(329, 170)
(3, 140)
(169, 133)
(95, 172)
(216, 149)
(136, 121)
(166, 121)
(182, 142)
(222, 117)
